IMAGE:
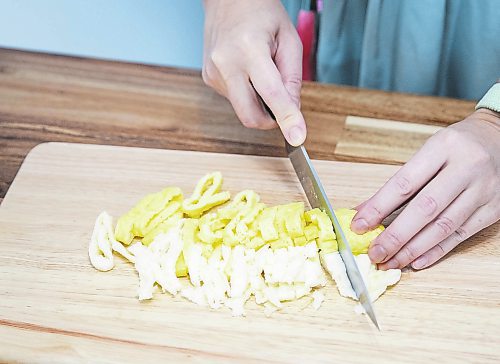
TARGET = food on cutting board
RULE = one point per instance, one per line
(231, 250)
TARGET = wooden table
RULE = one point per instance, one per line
(54, 98)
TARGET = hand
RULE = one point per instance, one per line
(253, 46)
(453, 185)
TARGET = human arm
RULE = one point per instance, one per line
(452, 186)
(252, 47)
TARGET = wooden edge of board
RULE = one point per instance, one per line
(42, 147)
(381, 140)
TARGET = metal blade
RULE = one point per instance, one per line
(317, 199)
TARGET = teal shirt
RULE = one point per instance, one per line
(435, 47)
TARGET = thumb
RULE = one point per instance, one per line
(288, 60)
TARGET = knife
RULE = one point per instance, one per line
(317, 199)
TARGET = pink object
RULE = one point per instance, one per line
(306, 27)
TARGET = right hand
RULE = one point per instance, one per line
(252, 46)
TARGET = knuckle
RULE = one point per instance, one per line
(263, 123)
(440, 252)
(450, 137)
(482, 159)
(293, 84)
(473, 150)
(404, 186)
(394, 240)
(492, 185)
(271, 92)
(205, 77)
(208, 74)
(372, 214)
(485, 194)
(218, 58)
(409, 256)
(445, 226)
(435, 254)
(249, 122)
(288, 120)
(293, 80)
(461, 234)
(427, 204)
(248, 40)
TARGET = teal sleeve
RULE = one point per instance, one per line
(491, 100)
(434, 47)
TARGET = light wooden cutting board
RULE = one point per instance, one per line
(54, 307)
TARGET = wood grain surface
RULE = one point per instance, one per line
(381, 140)
(56, 308)
(55, 98)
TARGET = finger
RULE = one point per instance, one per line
(425, 206)
(247, 106)
(213, 78)
(266, 79)
(439, 229)
(483, 217)
(399, 188)
(288, 60)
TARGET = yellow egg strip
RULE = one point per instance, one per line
(231, 253)
(147, 214)
(206, 195)
(243, 221)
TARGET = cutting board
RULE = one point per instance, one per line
(55, 307)
(380, 140)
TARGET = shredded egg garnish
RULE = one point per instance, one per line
(230, 251)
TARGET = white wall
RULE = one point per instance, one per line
(166, 32)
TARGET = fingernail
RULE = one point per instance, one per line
(419, 263)
(296, 136)
(359, 226)
(377, 253)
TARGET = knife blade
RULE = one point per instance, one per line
(317, 198)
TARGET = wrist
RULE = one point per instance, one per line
(487, 113)
(488, 116)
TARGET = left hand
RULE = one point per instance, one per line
(453, 187)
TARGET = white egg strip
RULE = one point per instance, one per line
(147, 267)
(100, 247)
(232, 275)
(334, 265)
(169, 249)
(103, 242)
(375, 280)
